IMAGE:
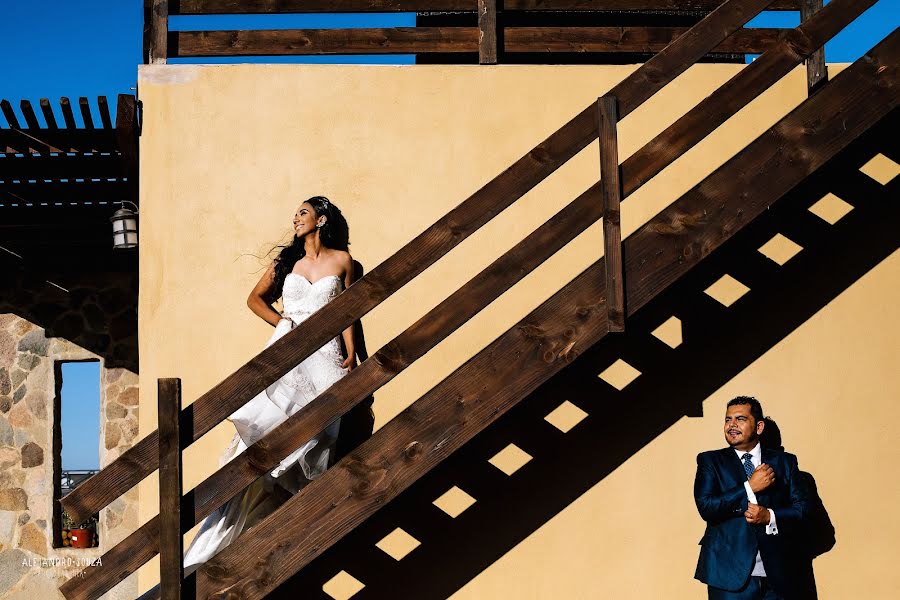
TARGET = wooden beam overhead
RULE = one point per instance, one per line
(421, 40)
(199, 7)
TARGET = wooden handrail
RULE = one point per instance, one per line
(138, 548)
(209, 7)
(657, 255)
(239, 387)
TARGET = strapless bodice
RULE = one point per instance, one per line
(301, 298)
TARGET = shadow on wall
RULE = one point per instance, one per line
(95, 310)
(718, 343)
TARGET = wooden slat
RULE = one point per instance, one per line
(545, 341)
(625, 39)
(171, 572)
(816, 69)
(280, 42)
(433, 243)
(104, 112)
(487, 32)
(68, 117)
(736, 93)
(85, 107)
(64, 192)
(188, 7)
(58, 140)
(422, 40)
(24, 168)
(49, 117)
(611, 193)
(159, 27)
(28, 113)
(8, 112)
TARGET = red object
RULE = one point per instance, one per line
(82, 538)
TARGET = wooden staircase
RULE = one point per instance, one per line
(573, 320)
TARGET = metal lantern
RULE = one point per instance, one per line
(124, 223)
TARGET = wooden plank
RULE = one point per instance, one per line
(58, 140)
(816, 69)
(423, 40)
(85, 107)
(611, 194)
(25, 168)
(482, 390)
(625, 39)
(753, 80)
(68, 117)
(171, 572)
(461, 406)
(28, 113)
(433, 243)
(104, 112)
(64, 192)
(283, 42)
(159, 29)
(487, 32)
(195, 7)
(127, 139)
(10, 115)
(49, 117)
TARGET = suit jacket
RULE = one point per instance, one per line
(729, 545)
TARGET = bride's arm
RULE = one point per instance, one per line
(257, 298)
(347, 334)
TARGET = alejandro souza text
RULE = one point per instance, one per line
(62, 561)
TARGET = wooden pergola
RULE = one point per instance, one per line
(61, 181)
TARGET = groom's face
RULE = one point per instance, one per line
(741, 429)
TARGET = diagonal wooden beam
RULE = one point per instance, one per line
(436, 241)
(461, 406)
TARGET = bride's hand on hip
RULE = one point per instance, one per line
(349, 362)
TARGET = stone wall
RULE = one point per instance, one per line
(30, 567)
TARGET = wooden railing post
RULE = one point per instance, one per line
(156, 31)
(816, 69)
(611, 191)
(171, 572)
(488, 33)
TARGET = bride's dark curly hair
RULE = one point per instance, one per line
(334, 234)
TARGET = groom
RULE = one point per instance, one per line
(753, 501)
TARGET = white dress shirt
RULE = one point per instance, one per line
(771, 528)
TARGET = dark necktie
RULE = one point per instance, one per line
(748, 464)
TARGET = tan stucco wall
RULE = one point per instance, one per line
(227, 153)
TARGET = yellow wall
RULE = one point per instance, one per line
(229, 151)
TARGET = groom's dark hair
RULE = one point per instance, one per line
(755, 407)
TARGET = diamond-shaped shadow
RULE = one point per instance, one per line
(881, 169)
(669, 332)
(510, 459)
(565, 416)
(397, 544)
(454, 502)
(342, 586)
(619, 374)
(830, 208)
(726, 290)
(780, 249)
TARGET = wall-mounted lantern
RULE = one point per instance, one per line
(124, 224)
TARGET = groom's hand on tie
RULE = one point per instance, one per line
(756, 514)
(762, 478)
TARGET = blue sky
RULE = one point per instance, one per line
(57, 48)
(88, 48)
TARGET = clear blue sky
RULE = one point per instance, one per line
(71, 48)
(80, 415)
(57, 48)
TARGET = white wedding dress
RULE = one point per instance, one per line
(297, 388)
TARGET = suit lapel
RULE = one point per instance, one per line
(768, 458)
(733, 466)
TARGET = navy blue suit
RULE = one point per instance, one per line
(729, 545)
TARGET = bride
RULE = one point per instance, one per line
(307, 274)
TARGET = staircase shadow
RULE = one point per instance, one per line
(718, 343)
